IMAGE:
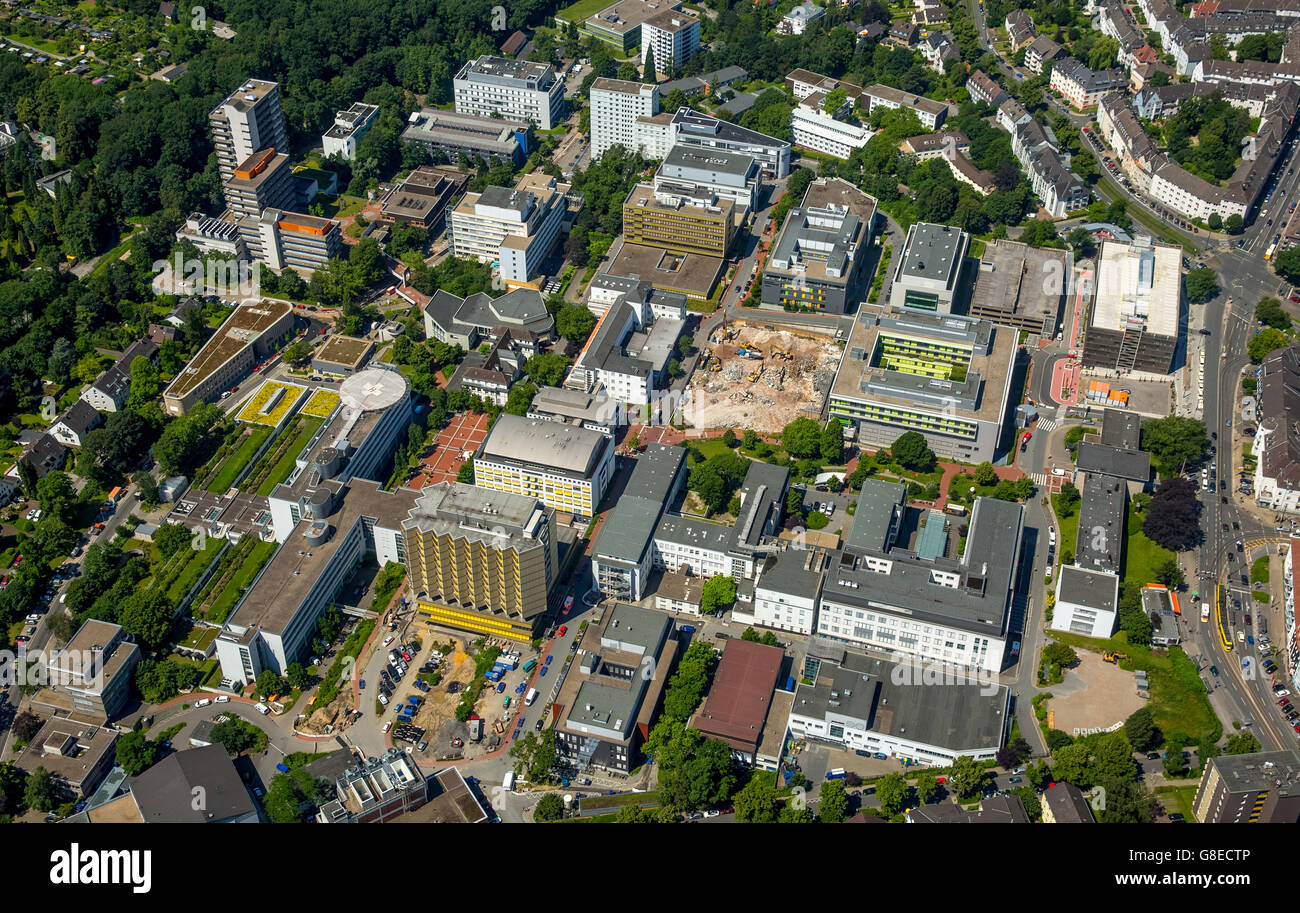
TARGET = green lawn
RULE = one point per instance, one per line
(581, 10)
(284, 466)
(237, 460)
(1178, 799)
(1141, 555)
(1069, 532)
(194, 568)
(1178, 699)
(248, 568)
(1259, 570)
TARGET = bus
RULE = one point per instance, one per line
(1205, 611)
(1268, 254)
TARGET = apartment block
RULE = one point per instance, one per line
(248, 120)
(673, 36)
(90, 678)
(1260, 788)
(616, 105)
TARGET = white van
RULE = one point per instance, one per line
(203, 703)
(262, 709)
(530, 697)
(222, 699)
(508, 784)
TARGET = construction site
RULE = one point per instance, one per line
(753, 377)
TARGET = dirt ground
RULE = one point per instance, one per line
(1095, 695)
(784, 389)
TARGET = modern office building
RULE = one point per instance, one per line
(898, 587)
(90, 678)
(449, 135)
(697, 176)
(1260, 788)
(480, 561)
(515, 227)
(819, 259)
(1087, 601)
(838, 133)
(248, 121)
(627, 354)
(376, 790)
(469, 322)
(620, 24)
(608, 289)
(946, 376)
(869, 705)
(690, 128)
(564, 467)
(514, 89)
(787, 588)
(421, 200)
(929, 273)
(1021, 286)
(606, 705)
(251, 332)
(673, 36)
(593, 411)
(615, 106)
(623, 553)
(347, 130)
(1136, 307)
(679, 224)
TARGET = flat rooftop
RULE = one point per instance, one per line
(694, 275)
(344, 350)
(643, 196)
(932, 252)
(825, 233)
(1093, 589)
(545, 446)
(242, 328)
(626, 15)
(741, 694)
(1020, 280)
(1102, 512)
(1138, 281)
(296, 566)
(987, 379)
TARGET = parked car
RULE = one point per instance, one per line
(564, 629)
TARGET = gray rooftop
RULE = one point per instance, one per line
(629, 529)
(545, 446)
(1101, 524)
(1134, 465)
(1091, 589)
(932, 252)
(875, 518)
(796, 572)
(165, 792)
(1264, 771)
(977, 599)
(1121, 429)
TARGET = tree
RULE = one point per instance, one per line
(236, 735)
(1140, 728)
(27, 477)
(268, 683)
(465, 475)
(171, 538)
(1172, 518)
(1215, 221)
(575, 323)
(26, 725)
(293, 797)
(1058, 739)
(756, 803)
(1059, 654)
(56, 495)
(298, 676)
(1269, 312)
(912, 452)
(1287, 264)
(833, 802)
(927, 787)
(832, 443)
(551, 808)
(1262, 344)
(966, 776)
(147, 616)
(717, 593)
(1240, 743)
(1174, 441)
(520, 398)
(299, 353)
(41, 792)
(136, 753)
(985, 474)
(1202, 285)
(145, 384)
(546, 369)
(892, 791)
(1170, 574)
(649, 72)
(749, 440)
(147, 488)
(802, 438)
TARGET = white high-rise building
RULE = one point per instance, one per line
(515, 89)
(615, 106)
(674, 35)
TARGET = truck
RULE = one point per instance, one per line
(494, 675)
(835, 773)
(508, 784)
(530, 697)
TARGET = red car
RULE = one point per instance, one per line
(564, 629)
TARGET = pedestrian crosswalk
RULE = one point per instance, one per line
(1040, 478)
(1046, 424)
